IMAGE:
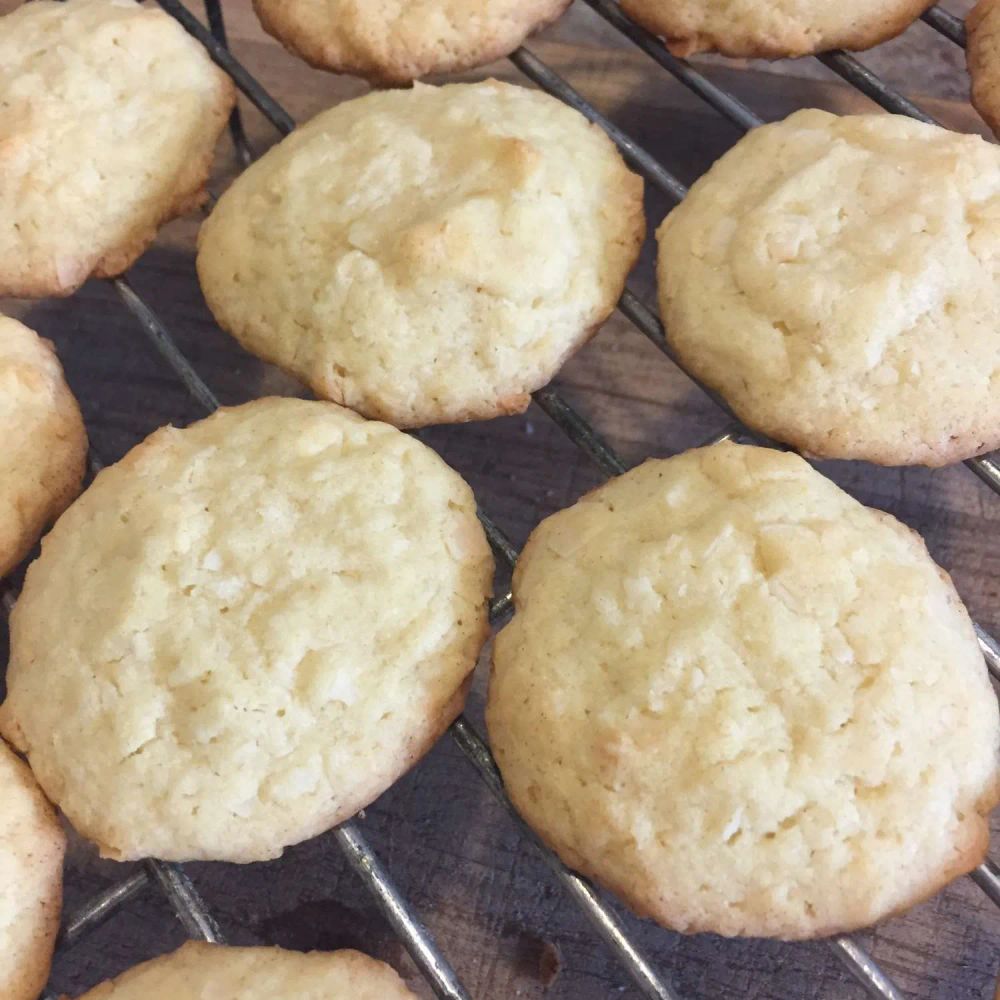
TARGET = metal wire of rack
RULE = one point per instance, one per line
(171, 879)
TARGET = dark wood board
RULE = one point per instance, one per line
(483, 891)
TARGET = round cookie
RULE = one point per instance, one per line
(109, 113)
(744, 702)
(983, 56)
(264, 619)
(837, 280)
(32, 845)
(427, 255)
(198, 970)
(766, 29)
(394, 43)
(44, 454)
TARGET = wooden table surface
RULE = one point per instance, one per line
(482, 890)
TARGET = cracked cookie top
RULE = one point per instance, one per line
(109, 114)
(32, 845)
(773, 29)
(429, 255)
(199, 970)
(45, 444)
(837, 280)
(743, 701)
(245, 630)
(396, 41)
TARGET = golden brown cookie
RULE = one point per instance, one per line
(32, 845)
(837, 280)
(109, 113)
(44, 453)
(264, 620)
(197, 970)
(983, 55)
(390, 42)
(429, 255)
(744, 702)
(773, 29)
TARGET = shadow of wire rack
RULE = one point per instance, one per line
(650, 982)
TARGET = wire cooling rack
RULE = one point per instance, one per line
(170, 878)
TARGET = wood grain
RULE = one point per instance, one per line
(481, 888)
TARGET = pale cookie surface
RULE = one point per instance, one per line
(109, 114)
(196, 971)
(983, 55)
(429, 255)
(264, 619)
(743, 701)
(396, 41)
(837, 280)
(773, 29)
(32, 845)
(44, 447)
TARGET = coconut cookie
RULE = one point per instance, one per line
(109, 113)
(743, 701)
(32, 845)
(389, 42)
(264, 620)
(45, 445)
(773, 30)
(837, 280)
(983, 55)
(198, 970)
(428, 255)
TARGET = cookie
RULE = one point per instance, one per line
(744, 702)
(199, 970)
(32, 845)
(428, 255)
(837, 280)
(44, 454)
(109, 113)
(392, 43)
(762, 29)
(983, 56)
(264, 620)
